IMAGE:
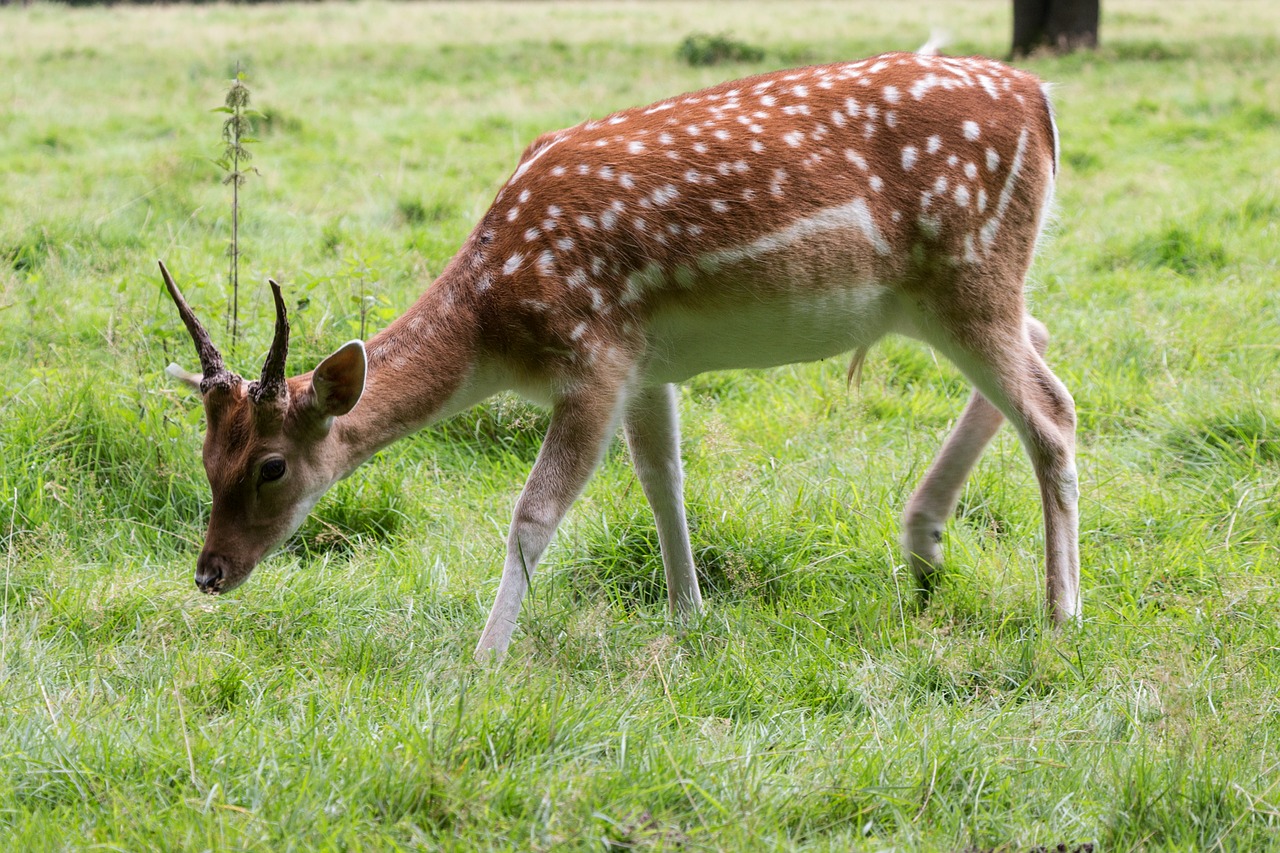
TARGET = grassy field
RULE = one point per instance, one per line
(331, 703)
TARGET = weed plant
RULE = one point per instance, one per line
(332, 703)
(235, 136)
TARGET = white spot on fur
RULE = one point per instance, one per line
(993, 160)
(512, 214)
(665, 194)
(512, 264)
(992, 225)
(934, 144)
(970, 171)
(877, 183)
(922, 86)
(546, 262)
(531, 234)
(892, 95)
(524, 167)
(635, 147)
(909, 155)
(856, 214)
(962, 195)
(971, 130)
(779, 176)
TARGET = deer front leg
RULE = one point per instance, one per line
(581, 426)
(652, 426)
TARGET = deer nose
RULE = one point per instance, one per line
(210, 573)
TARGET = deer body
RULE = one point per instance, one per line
(787, 217)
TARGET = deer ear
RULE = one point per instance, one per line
(336, 385)
(186, 377)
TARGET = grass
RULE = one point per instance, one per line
(331, 703)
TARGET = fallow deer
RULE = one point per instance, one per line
(786, 217)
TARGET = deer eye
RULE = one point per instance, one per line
(272, 469)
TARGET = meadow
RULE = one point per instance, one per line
(332, 702)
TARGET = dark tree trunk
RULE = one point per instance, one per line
(1058, 25)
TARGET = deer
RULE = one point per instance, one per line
(787, 217)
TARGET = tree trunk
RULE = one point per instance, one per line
(1058, 25)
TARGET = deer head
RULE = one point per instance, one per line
(270, 450)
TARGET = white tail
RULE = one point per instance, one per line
(786, 217)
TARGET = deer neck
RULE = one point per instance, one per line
(421, 368)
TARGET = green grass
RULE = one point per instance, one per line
(331, 703)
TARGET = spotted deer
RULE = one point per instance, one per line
(787, 217)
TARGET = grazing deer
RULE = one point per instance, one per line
(787, 217)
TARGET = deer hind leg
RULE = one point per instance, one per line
(1012, 379)
(935, 499)
(581, 426)
(652, 427)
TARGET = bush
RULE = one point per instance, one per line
(717, 48)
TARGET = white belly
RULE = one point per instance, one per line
(684, 342)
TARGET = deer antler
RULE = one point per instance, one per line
(271, 385)
(215, 372)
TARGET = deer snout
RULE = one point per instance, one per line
(211, 573)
